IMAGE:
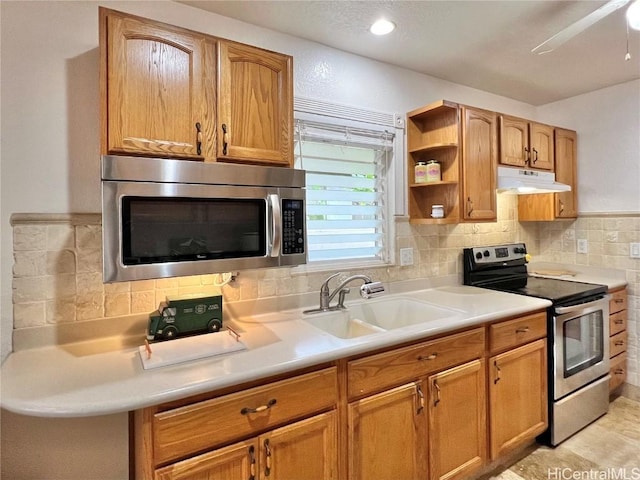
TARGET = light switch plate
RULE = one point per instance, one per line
(583, 245)
(406, 257)
(634, 250)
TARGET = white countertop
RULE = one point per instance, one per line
(612, 278)
(75, 380)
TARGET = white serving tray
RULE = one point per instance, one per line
(189, 348)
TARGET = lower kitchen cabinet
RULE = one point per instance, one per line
(306, 449)
(457, 421)
(617, 338)
(388, 435)
(517, 396)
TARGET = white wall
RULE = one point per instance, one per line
(50, 153)
(608, 125)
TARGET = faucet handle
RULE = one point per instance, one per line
(325, 284)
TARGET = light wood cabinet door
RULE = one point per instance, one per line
(514, 141)
(457, 421)
(542, 151)
(306, 449)
(255, 105)
(388, 436)
(153, 90)
(235, 462)
(517, 396)
(566, 161)
(479, 164)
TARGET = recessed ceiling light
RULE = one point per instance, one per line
(382, 27)
(633, 15)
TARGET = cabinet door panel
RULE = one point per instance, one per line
(255, 109)
(479, 164)
(457, 421)
(235, 462)
(514, 141)
(566, 165)
(306, 449)
(542, 152)
(154, 89)
(387, 435)
(517, 396)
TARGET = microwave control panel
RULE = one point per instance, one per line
(292, 226)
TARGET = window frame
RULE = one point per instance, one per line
(321, 112)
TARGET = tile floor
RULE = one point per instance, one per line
(608, 449)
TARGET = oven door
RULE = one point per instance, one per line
(580, 345)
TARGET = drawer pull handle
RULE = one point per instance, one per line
(618, 321)
(437, 387)
(261, 408)
(433, 356)
(619, 300)
(497, 379)
(420, 399)
(619, 371)
(522, 330)
(252, 463)
(267, 450)
(619, 343)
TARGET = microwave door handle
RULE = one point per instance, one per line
(574, 308)
(276, 225)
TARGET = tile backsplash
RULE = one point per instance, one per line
(57, 272)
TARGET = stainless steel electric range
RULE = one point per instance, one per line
(578, 332)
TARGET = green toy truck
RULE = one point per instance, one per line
(179, 317)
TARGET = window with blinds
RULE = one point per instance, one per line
(346, 190)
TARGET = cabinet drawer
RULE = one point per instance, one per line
(618, 344)
(618, 371)
(519, 331)
(381, 371)
(617, 322)
(195, 428)
(618, 301)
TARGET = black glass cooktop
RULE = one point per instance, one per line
(558, 291)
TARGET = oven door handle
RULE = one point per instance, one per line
(580, 306)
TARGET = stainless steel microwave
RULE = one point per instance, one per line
(167, 218)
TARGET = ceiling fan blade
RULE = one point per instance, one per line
(575, 28)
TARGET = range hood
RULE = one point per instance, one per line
(521, 181)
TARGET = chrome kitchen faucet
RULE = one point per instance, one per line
(367, 290)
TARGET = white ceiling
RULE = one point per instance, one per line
(481, 44)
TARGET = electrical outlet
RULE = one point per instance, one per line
(634, 250)
(583, 245)
(406, 257)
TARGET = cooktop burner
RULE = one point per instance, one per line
(503, 267)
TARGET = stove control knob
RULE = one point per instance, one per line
(479, 256)
(519, 250)
(486, 253)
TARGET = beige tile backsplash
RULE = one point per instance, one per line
(57, 272)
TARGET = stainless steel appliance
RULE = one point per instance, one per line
(578, 332)
(166, 218)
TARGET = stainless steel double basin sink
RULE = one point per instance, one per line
(380, 315)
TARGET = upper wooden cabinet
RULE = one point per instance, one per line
(479, 164)
(171, 92)
(433, 132)
(464, 141)
(255, 105)
(551, 206)
(153, 88)
(526, 144)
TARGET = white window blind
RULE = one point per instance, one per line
(346, 190)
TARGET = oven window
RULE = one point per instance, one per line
(158, 230)
(583, 342)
